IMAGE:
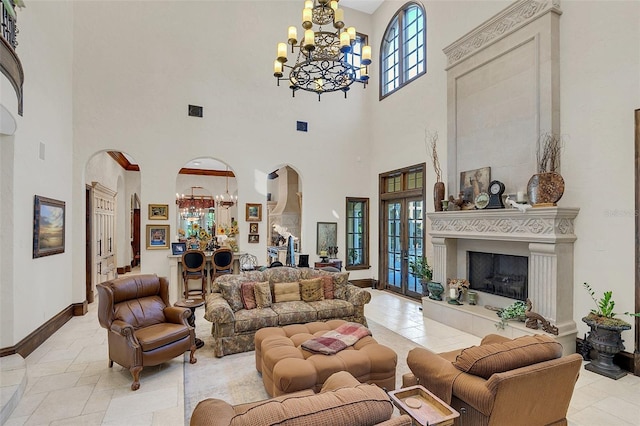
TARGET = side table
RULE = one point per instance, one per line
(192, 304)
(425, 408)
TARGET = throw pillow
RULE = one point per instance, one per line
(484, 360)
(231, 293)
(286, 292)
(311, 290)
(262, 292)
(340, 281)
(248, 295)
(327, 286)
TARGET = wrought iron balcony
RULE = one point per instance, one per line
(9, 62)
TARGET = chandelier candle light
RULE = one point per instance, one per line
(322, 64)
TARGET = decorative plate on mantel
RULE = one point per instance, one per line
(482, 200)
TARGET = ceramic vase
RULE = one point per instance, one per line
(545, 189)
(438, 195)
(435, 290)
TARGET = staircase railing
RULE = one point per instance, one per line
(10, 64)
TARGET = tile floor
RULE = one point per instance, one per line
(69, 383)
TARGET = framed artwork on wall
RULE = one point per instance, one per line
(254, 238)
(158, 211)
(254, 212)
(157, 237)
(48, 226)
(327, 236)
(253, 228)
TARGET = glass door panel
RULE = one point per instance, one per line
(404, 233)
(394, 245)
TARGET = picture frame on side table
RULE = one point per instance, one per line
(253, 228)
(254, 238)
(48, 226)
(327, 236)
(158, 212)
(254, 212)
(178, 248)
(157, 237)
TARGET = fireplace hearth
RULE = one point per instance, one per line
(539, 241)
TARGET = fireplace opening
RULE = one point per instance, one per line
(501, 274)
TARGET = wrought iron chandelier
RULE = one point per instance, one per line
(194, 207)
(322, 64)
(226, 200)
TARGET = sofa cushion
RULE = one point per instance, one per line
(227, 278)
(248, 295)
(262, 292)
(231, 291)
(311, 290)
(255, 319)
(333, 308)
(296, 312)
(360, 405)
(286, 292)
(282, 275)
(484, 360)
(257, 276)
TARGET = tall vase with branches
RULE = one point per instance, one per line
(431, 144)
(546, 187)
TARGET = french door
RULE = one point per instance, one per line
(402, 218)
(404, 235)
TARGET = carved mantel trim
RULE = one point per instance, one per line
(542, 225)
(511, 19)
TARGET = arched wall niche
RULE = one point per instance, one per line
(112, 180)
(212, 183)
(284, 204)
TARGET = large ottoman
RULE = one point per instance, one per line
(286, 367)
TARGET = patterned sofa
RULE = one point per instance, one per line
(239, 305)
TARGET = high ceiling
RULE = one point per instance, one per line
(367, 6)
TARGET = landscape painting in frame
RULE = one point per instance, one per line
(48, 226)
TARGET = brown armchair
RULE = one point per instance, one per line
(143, 328)
(524, 381)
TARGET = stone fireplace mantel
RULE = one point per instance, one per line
(544, 235)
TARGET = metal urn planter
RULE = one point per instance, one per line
(606, 339)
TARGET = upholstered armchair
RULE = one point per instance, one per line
(143, 328)
(516, 382)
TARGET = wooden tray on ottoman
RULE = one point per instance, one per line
(432, 411)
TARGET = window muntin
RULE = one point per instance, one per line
(403, 49)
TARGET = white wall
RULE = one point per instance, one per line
(132, 88)
(35, 290)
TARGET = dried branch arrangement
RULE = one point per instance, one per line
(548, 154)
(430, 143)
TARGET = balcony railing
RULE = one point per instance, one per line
(9, 62)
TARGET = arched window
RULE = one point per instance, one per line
(403, 49)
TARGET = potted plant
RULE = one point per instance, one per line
(605, 336)
(546, 187)
(516, 310)
(420, 268)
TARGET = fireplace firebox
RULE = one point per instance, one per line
(500, 274)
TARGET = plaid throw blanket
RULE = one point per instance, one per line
(336, 340)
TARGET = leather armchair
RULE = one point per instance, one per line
(143, 328)
(532, 383)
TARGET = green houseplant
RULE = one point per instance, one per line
(420, 268)
(605, 335)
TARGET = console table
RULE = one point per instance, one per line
(334, 263)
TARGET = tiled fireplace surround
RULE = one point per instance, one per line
(544, 235)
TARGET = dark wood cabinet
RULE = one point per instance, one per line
(333, 263)
(135, 238)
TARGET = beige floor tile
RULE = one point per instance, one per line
(60, 404)
(132, 406)
(620, 408)
(94, 419)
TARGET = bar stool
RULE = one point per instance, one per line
(193, 268)
(221, 262)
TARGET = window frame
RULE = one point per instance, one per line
(351, 58)
(398, 20)
(365, 262)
